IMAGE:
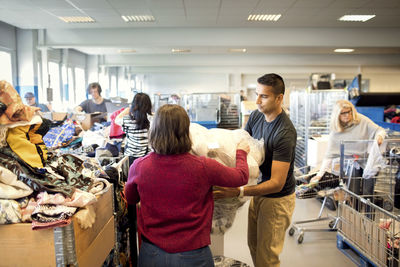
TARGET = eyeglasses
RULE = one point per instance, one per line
(346, 112)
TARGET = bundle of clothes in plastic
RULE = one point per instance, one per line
(220, 144)
(37, 185)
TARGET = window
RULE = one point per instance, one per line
(5, 67)
(71, 87)
(54, 71)
(80, 85)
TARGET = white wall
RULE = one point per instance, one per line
(183, 83)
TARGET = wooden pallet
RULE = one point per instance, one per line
(353, 253)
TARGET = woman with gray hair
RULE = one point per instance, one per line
(348, 125)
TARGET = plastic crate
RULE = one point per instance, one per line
(374, 113)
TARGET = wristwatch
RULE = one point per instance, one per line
(241, 192)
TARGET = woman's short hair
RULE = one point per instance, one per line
(337, 109)
(169, 132)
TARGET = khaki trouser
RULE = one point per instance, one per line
(268, 221)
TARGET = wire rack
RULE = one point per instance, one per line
(310, 112)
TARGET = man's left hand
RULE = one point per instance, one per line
(225, 192)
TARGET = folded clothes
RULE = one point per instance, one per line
(47, 225)
(79, 199)
(52, 213)
(10, 211)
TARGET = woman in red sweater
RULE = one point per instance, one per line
(174, 188)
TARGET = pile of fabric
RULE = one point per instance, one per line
(220, 144)
(36, 185)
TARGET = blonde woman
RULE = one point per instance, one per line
(348, 125)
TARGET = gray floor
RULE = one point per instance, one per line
(317, 249)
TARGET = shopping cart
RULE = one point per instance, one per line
(379, 186)
(326, 189)
(367, 233)
(369, 227)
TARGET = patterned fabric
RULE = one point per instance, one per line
(137, 140)
(16, 110)
(11, 187)
(51, 213)
(60, 136)
(68, 173)
(10, 211)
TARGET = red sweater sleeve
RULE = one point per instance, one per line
(221, 175)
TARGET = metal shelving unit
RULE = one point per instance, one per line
(310, 112)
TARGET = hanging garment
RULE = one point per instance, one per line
(375, 161)
(115, 129)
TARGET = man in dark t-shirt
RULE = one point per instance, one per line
(272, 205)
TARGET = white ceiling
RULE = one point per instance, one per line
(211, 27)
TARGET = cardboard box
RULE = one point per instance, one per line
(58, 116)
(88, 119)
(21, 246)
(316, 150)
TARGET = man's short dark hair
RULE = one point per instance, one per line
(94, 85)
(273, 80)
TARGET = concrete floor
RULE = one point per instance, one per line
(317, 249)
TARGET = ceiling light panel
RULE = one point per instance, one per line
(138, 18)
(126, 51)
(344, 50)
(179, 50)
(264, 17)
(237, 50)
(359, 18)
(77, 19)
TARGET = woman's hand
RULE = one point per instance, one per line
(379, 140)
(315, 179)
(243, 145)
(225, 192)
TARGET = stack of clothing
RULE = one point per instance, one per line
(35, 184)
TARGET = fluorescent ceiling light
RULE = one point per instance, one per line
(238, 50)
(77, 19)
(344, 50)
(362, 18)
(138, 18)
(126, 51)
(263, 17)
(175, 50)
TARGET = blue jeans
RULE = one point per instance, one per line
(152, 256)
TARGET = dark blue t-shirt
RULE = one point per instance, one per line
(280, 144)
(89, 106)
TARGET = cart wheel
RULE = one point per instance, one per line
(300, 238)
(291, 231)
(332, 224)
